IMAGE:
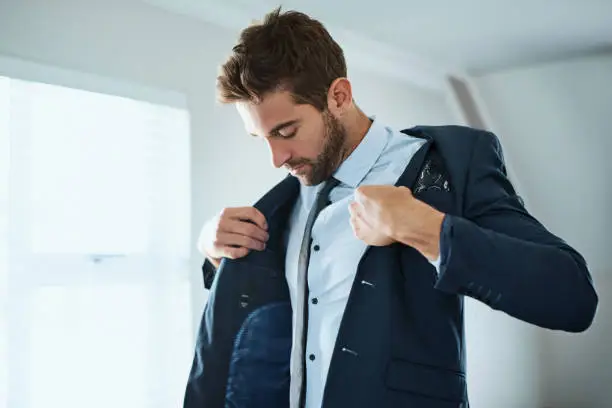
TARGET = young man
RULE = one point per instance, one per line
(343, 286)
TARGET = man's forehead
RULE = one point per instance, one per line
(274, 109)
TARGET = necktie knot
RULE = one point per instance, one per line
(323, 195)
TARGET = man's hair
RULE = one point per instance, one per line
(288, 51)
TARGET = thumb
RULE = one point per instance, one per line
(361, 195)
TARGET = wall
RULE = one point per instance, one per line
(503, 366)
(554, 122)
(400, 105)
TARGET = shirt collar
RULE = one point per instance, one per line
(356, 167)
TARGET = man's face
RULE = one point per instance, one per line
(308, 143)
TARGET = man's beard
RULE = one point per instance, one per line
(332, 154)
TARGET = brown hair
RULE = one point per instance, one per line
(288, 51)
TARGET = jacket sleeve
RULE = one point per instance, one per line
(501, 255)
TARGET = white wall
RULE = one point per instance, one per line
(400, 105)
(503, 365)
(555, 123)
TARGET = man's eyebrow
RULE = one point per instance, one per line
(281, 126)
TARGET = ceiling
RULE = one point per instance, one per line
(475, 36)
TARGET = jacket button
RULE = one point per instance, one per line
(315, 301)
(311, 357)
(316, 247)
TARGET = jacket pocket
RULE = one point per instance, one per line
(439, 199)
(449, 385)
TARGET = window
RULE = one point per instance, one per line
(95, 229)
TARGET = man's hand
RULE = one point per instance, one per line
(381, 215)
(363, 230)
(233, 234)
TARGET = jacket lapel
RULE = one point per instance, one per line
(276, 207)
(411, 173)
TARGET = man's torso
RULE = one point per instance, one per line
(335, 253)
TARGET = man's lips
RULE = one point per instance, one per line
(299, 168)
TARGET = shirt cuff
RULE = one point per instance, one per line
(436, 264)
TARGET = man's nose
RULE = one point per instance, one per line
(280, 154)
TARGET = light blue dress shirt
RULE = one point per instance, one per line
(380, 158)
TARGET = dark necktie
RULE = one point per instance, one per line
(298, 358)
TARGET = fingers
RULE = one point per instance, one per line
(362, 198)
(246, 214)
(235, 253)
(239, 227)
(234, 233)
(360, 194)
(356, 211)
(357, 221)
(356, 226)
(227, 239)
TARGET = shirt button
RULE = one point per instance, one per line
(311, 357)
(315, 301)
(316, 247)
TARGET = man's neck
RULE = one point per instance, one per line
(357, 126)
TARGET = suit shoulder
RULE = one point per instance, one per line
(448, 132)
(457, 137)
(451, 139)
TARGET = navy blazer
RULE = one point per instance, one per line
(401, 339)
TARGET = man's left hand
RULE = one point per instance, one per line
(382, 215)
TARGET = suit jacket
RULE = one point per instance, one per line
(401, 339)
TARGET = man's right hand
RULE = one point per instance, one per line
(233, 234)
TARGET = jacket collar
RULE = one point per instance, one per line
(410, 174)
(279, 197)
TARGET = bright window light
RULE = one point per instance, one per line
(94, 255)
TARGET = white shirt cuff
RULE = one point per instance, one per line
(436, 264)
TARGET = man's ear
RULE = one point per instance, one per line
(339, 96)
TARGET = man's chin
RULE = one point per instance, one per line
(305, 179)
(309, 179)
(307, 175)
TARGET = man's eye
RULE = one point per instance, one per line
(288, 135)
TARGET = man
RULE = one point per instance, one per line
(343, 286)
